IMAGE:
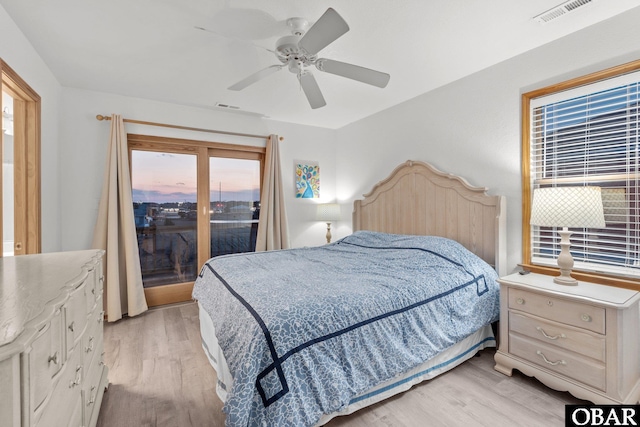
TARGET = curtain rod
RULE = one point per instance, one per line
(140, 122)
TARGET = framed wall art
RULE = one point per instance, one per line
(307, 180)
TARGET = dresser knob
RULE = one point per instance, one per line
(54, 358)
(585, 317)
(550, 303)
(520, 301)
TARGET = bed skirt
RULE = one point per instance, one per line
(448, 359)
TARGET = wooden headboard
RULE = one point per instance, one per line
(418, 199)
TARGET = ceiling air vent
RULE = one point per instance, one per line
(231, 107)
(561, 9)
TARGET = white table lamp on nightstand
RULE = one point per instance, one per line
(328, 212)
(576, 207)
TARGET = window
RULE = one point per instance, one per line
(586, 132)
(192, 200)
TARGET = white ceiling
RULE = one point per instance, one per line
(150, 48)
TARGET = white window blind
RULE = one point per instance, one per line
(589, 136)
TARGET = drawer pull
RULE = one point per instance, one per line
(89, 348)
(559, 362)
(93, 396)
(101, 317)
(78, 379)
(520, 301)
(53, 358)
(550, 303)
(72, 326)
(585, 317)
(549, 336)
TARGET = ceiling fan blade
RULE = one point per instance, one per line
(311, 90)
(255, 77)
(355, 72)
(328, 28)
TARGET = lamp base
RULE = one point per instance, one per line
(561, 280)
(565, 260)
(328, 235)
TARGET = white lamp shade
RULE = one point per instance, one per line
(328, 212)
(573, 207)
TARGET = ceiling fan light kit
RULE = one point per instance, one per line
(298, 52)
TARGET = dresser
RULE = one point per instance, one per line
(582, 339)
(51, 323)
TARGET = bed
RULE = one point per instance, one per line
(299, 336)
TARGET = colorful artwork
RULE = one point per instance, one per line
(307, 181)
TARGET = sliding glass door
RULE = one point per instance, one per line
(165, 209)
(192, 200)
(235, 205)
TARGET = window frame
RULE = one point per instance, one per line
(602, 278)
(178, 292)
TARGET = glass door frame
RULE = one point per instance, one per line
(179, 292)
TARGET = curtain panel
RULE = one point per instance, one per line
(273, 231)
(115, 232)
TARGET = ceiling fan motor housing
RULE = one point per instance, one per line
(289, 52)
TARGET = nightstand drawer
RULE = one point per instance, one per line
(563, 362)
(573, 313)
(559, 335)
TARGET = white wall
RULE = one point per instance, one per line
(471, 127)
(84, 146)
(17, 52)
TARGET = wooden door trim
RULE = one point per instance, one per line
(27, 149)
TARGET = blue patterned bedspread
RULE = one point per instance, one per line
(305, 330)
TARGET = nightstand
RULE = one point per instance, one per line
(582, 339)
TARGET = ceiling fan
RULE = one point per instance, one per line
(298, 52)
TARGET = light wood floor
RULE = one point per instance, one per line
(159, 376)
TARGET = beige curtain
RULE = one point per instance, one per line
(273, 231)
(116, 232)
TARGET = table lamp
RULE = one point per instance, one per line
(328, 212)
(575, 207)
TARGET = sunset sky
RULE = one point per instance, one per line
(168, 177)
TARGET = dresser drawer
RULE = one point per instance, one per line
(92, 338)
(559, 335)
(10, 391)
(66, 396)
(91, 389)
(561, 310)
(75, 316)
(45, 360)
(571, 365)
(90, 290)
